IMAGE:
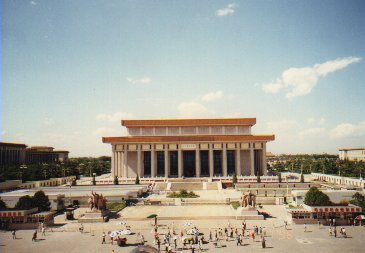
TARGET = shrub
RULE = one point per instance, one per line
(41, 201)
(315, 197)
(115, 206)
(234, 178)
(235, 204)
(2, 205)
(116, 180)
(137, 180)
(25, 203)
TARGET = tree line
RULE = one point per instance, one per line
(327, 164)
(86, 166)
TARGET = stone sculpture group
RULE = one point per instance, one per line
(248, 199)
(97, 202)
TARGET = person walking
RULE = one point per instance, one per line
(335, 232)
(103, 238)
(330, 231)
(305, 227)
(210, 235)
(34, 237)
(263, 242)
(14, 235)
(43, 231)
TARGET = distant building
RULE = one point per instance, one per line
(43, 154)
(12, 153)
(352, 154)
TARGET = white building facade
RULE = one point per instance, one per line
(188, 148)
(352, 154)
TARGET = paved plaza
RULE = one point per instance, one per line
(66, 238)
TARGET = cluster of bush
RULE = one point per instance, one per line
(182, 194)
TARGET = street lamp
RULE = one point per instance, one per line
(22, 167)
(45, 170)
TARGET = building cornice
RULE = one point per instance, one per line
(190, 138)
(189, 122)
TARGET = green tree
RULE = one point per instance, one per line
(302, 178)
(2, 205)
(315, 197)
(234, 178)
(25, 203)
(137, 180)
(116, 180)
(359, 200)
(41, 201)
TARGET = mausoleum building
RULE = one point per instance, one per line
(188, 148)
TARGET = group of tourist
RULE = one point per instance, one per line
(193, 240)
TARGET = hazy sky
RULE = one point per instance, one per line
(71, 70)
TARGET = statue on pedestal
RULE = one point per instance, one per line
(97, 202)
(248, 199)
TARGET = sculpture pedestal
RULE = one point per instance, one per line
(248, 213)
(93, 216)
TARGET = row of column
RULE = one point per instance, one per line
(11, 156)
(120, 161)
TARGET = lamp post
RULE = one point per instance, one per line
(45, 170)
(22, 167)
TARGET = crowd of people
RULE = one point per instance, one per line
(190, 238)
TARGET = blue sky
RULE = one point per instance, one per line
(71, 70)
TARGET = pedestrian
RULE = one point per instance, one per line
(241, 239)
(330, 231)
(103, 238)
(34, 237)
(319, 223)
(43, 231)
(261, 230)
(305, 227)
(263, 242)
(335, 231)
(210, 235)
(158, 244)
(253, 236)
(231, 233)
(344, 233)
(13, 233)
(237, 240)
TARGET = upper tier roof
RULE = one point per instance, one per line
(190, 138)
(189, 122)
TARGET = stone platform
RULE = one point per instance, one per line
(248, 213)
(93, 216)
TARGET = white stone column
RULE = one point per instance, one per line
(125, 161)
(153, 165)
(224, 167)
(167, 161)
(197, 161)
(117, 163)
(139, 161)
(238, 159)
(180, 161)
(264, 163)
(252, 160)
(113, 169)
(211, 162)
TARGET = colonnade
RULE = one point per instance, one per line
(130, 160)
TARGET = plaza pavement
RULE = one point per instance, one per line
(278, 239)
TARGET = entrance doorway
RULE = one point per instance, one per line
(189, 163)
